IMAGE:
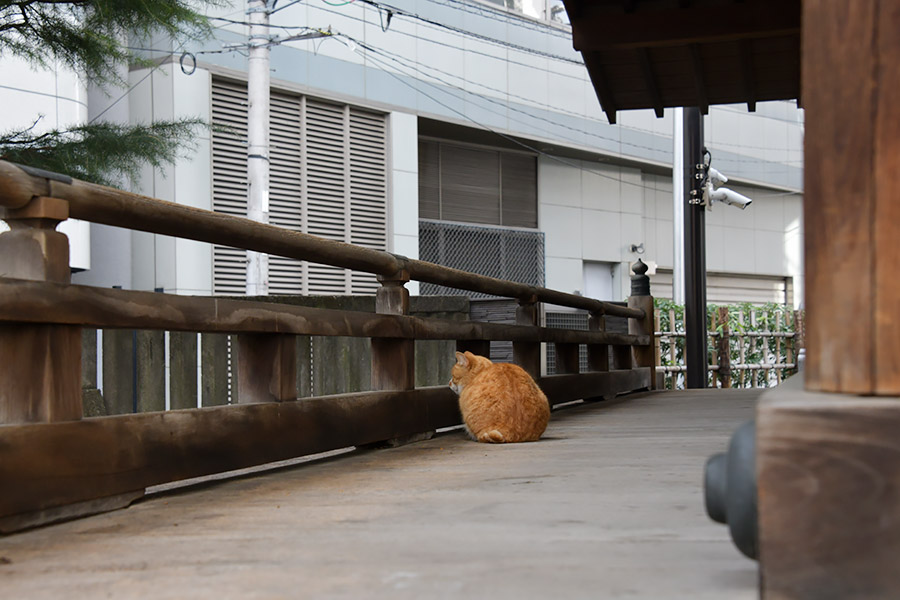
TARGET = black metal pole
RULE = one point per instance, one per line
(694, 254)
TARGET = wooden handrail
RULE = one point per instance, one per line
(42, 302)
(109, 206)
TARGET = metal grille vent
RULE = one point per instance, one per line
(328, 178)
(506, 253)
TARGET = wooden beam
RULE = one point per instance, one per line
(594, 64)
(699, 78)
(599, 29)
(39, 302)
(650, 81)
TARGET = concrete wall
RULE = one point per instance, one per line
(620, 206)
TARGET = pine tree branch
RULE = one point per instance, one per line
(103, 153)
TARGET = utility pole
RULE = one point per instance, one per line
(258, 139)
(694, 251)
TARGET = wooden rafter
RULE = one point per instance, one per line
(699, 78)
(601, 86)
(747, 74)
(650, 80)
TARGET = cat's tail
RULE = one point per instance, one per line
(493, 436)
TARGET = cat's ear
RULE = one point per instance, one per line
(462, 359)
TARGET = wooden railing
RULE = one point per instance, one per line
(55, 464)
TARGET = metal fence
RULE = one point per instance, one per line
(501, 252)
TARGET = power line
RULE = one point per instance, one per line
(386, 69)
(508, 18)
(508, 60)
(507, 107)
(403, 13)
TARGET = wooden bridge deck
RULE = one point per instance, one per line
(608, 505)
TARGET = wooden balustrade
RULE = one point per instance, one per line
(78, 466)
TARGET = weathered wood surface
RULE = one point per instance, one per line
(40, 364)
(829, 495)
(100, 204)
(40, 370)
(644, 356)
(267, 367)
(607, 505)
(527, 354)
(23, 301)
(567, 359)
(48, 465)
(851, 94)
(43, 468)
(393, 360)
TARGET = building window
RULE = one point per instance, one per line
(478, 213)
(328, 177)
(477, 185)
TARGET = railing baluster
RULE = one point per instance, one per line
(641, 299)
(528, 354)
(393, 360)
(267, 367)
(567, 359)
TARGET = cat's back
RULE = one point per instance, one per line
(504, 404)
(505, 377)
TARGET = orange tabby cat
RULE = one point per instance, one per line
(499, 402)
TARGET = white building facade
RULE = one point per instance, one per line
(449, 116)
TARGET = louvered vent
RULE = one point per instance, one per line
(229, 150)
(328, 178)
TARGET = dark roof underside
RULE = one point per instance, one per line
(665, 53)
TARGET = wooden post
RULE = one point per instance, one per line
(598, 354)
(724, 348)
(528, 354)
(267, 367)
(567, 359)
(641, 298)
(393, 360)
(40, 365)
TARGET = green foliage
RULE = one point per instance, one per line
(102, 153)
(88, 37)
(746, 347)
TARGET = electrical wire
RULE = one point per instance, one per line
(387, 69)
(507, 107)
(505, 17)
(507, 60)
(403, 13)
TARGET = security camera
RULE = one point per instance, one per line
(715, 177)
(727, 196)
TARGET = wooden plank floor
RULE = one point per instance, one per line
(608, 505)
